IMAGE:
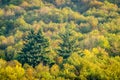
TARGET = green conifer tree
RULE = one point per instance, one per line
(35, 49)
(5, 1)
(69, 43)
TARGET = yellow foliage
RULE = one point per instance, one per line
(3, 40)
(59, 2)
(99, 52)
(18, 34)
(21, 21)
(59, 60)
(54, 70)
(42, 72)
(88, 53)
(30, 73)
(10, 40)
(75, 59)
(25, 4)
(2, 63)
(93, 21)
(12, 73)
(69, 71)
(1, 12)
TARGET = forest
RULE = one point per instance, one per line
(59, 39)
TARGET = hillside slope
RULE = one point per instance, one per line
(60, 39)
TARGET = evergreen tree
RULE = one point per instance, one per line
(5, 1)
(69, 43)
(35, 49)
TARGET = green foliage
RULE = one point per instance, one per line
(5, 1)
(9, 53)
(68, 44)
(15, 2)
(84, 39)
(35, 49)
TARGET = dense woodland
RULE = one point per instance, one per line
(59, 39)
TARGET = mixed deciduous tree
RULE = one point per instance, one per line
(88, 48)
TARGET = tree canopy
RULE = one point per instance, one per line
(59, 39)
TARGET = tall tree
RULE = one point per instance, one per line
(35, 49)
(15, 2)
(69, 43)
(5, 1)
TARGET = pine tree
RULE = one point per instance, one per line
(35, 49)
(69, 43)
(5, 1)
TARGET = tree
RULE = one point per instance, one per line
(11, 70)
(35, 49)
(69, 43)
(15, 2)
(9, 53)
(5, 1)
